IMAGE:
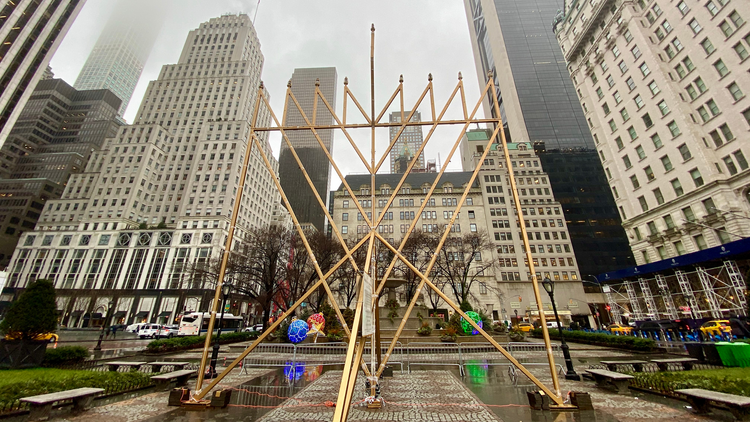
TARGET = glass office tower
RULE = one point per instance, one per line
(538, 104)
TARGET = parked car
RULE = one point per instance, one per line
(620, 329)
(168, 331)
(525, 326)
(552, 325)
(716, 327)
(50, 337)
(149, 331)
(134, 328)
(254, 328)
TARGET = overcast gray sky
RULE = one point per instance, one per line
(413, 38)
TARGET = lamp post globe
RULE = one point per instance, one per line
(570, 374)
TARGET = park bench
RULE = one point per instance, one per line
(700, 399)
(164, 380)
(178, 366)
(613, 364)
(663, 364)
(114, 366)
(41, 405)
(616, 379)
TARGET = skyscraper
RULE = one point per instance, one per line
(53, 138)
(301, 198)
(408, 143)
(538, 103)
(30, 33)
(664, 88)
(117, 60)
(158, 198)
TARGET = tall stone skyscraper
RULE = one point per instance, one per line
(301, 198)
(408, 143)
(157, 200)
(30, 32)
(117, 60)
(538, 103)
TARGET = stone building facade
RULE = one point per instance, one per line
(159, 196)
(663, 86)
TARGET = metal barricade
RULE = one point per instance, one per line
(398, 355)
(270, 355)
(434, 354)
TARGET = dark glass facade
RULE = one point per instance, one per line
(557, 127)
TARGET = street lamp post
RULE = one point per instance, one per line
(549, 286)
(516, 312)
(226, 289)
(98, 346)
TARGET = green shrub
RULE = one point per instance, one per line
(624, 342)
(425, 329)
(33, 313)
(65, 355)
(466, 306)
(192, 342)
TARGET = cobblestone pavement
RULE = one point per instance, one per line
(146, 406)
(430, 390)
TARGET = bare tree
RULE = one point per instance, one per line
(347, 275)
(418, 250)
(464, 260)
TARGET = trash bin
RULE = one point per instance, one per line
(741, 352)
(725, 352)
(712, 354)
(695, 351)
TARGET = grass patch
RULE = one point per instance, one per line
(599, 339)
(729, 380)
(16, 384)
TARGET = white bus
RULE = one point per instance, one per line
(196, 323)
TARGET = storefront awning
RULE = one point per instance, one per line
(76, 313)
(141, 314)
(119, 314)
(165, 314)
(96, 315)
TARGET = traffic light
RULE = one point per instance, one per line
(608, 308)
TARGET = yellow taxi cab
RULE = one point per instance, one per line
(51, 337)
(716, 327)
(525, 327)
(620, 329)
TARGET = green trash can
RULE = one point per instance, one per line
(741, 352)
(725, 352)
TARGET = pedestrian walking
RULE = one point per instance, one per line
(114, 331)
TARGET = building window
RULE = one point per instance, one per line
(345, 216)
(721, 68)
(735, 90)
(345, 204)
(652, 230)
(634, 181)
(649, 173)
(701, 85)
(636, 52)
(685, 152)
(731, 167)
(697, 178)
(644, 69)
(610, 81)
(633, 134)
(612, 125)
(656, 141)
(740, 157)
(658, 195)
(677, 187)
(641, 153)
(688, 213)
(638, 101)
(654, 88)
(626, 160)
(599, 93)
(673, 128)
(618, 142)
(631, 83)
(624, 114)
(712, 8)
(700, 242)
(695, 26)
(647, 120)
(617, 97)
(344, 229)
(472, 227)
(623, 67)
(741, 51)
(644, 204)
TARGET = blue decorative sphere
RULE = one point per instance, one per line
(297, 332)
